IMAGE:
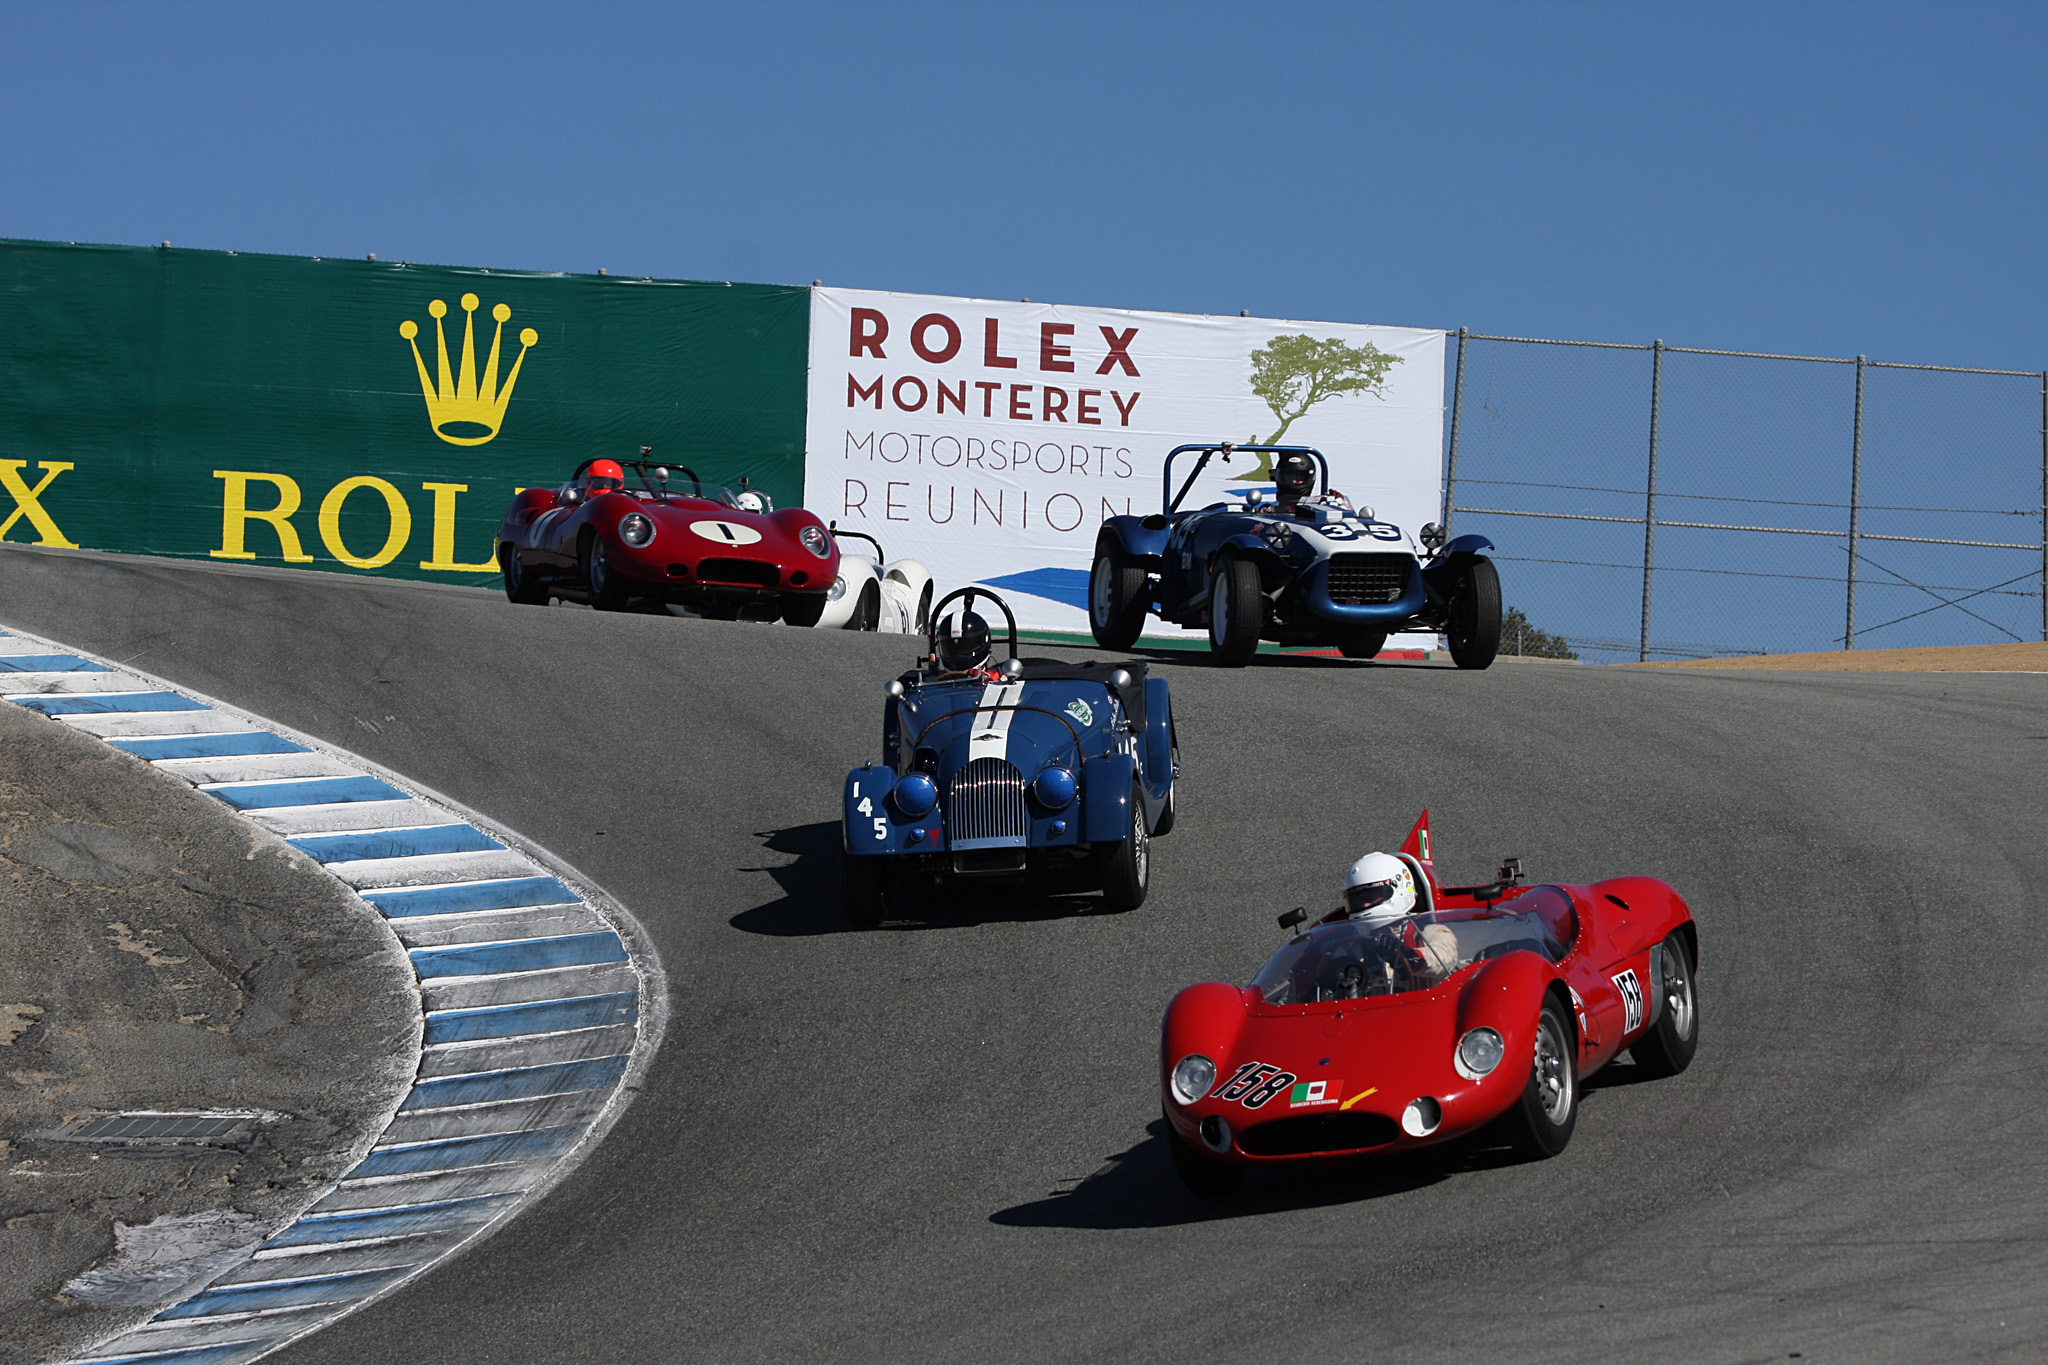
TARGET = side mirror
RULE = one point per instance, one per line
(1120, 679)
(895, 689)
(1298, 915)
(1011, 668)
(1511, 871)
(571, 496)
(1433, 537)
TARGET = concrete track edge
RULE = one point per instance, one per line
(252, 1316)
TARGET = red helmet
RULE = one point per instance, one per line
(603, 476)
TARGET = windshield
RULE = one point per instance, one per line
(682, 487)
(1349, 959)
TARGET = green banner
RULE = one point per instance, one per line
(364, 416)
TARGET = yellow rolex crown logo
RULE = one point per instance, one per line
(465, 411)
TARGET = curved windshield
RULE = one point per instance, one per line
(1349, 959)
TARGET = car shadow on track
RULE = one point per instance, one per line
(1138, 1188)
(1191, 658)
(809, 902)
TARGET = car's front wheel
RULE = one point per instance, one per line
(802, 608)
(520, 584)
(1472, 626)
(607, 590)
(860, 881)
(1237, 612)
(1667, 1048)
(868, 614)
(1127, 865)
(1542, 1120)
(1116, 597)
(1204, 1175)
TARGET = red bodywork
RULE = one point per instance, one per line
(703, 551)
(1378, 1054)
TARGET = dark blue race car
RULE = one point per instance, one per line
(1303, 568)
(1031, 770)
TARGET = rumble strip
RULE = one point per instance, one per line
(543, 1002)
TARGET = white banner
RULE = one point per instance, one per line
(990, 439)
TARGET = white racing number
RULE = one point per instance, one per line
(881, 828)
(867, 807)
(1631, 1000)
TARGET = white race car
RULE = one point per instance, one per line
(874, 594)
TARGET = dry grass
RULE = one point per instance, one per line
(2029, 656)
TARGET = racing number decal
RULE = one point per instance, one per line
(867, 808)
(1350, 530)
(1631, 999)
(1254, 1083)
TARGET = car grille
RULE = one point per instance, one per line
(1368, 580)
(738, 571)
(986, 802)
(1318, 1133)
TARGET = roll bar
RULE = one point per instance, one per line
(1226, 449)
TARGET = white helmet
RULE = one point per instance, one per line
(1379, 887)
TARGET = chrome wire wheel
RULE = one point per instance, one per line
(1554, 1079)
(1141, 843)
(1099, 590)
(1678, 1005)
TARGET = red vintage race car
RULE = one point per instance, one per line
(1485, 1005)
(666, 535)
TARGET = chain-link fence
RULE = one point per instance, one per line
(1668, 502)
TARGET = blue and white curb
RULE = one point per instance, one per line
(542, 1000)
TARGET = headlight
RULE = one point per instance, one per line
(1054, 788)
(636, 529)
(1277, 535)
(837, 590)
(1192, 1077)
(1479, 1052)
(915, 795)
(813, 539)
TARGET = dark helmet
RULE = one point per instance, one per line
(1294, 477)
(603, 476)
(969, 648)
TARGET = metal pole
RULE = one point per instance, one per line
(2044, 504)
(1650, 493)
(1855, 505)
(1451, 463)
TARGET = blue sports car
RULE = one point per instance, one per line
(1303, 567)
(1022, 770)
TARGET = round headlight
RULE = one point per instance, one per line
(1054, 788)
(837, 590)
(1479, 1052)
(915, 795)
(636, 529)
(1192, 1077)
(813, 538)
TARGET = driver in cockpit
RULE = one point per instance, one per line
(1379, 892)
(965, 654)
(1294, 481)
(603, 476)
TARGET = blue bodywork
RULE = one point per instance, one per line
(1108, 725)
(1390, 584)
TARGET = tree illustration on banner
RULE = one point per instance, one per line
(1293, 374)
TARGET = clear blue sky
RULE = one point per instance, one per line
(1815, 178)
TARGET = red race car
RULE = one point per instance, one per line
(673, 538)
(1484, 1005)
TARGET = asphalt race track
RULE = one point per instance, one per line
(941, 1140)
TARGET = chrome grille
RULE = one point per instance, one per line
(1367, 580)
(986, 802)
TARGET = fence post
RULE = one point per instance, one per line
(2044, 504)
(1451, 461)
(1855, 505)
(1650, 494)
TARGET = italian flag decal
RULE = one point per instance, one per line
(1310, 1093)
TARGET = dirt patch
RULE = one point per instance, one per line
(2029, 656)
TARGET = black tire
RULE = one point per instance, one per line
(923, 622)
(860, 883)
(1365, 645)
(1166, 816)
(1667, 1048)
(1116, 597)
(1472, 625)
(1237, 612)
(1204, 1175)
(802, 608)
(520, 584)
(868, 615)
(606, 589)
(1127, 863)
(1542, 1120)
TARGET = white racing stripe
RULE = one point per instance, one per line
(991, 738)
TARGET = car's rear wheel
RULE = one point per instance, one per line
(1172, 786)
(1472, 626)
(1365, 645)
(520, 584)
(868, 614)
(1116, 596)
(860, 881)
(1667, 1048)
(924, 611)
(607, 590)
(802, 608)
(1127, 864)
(1237, 612)
(1204, 1175)
(1542, 1120)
